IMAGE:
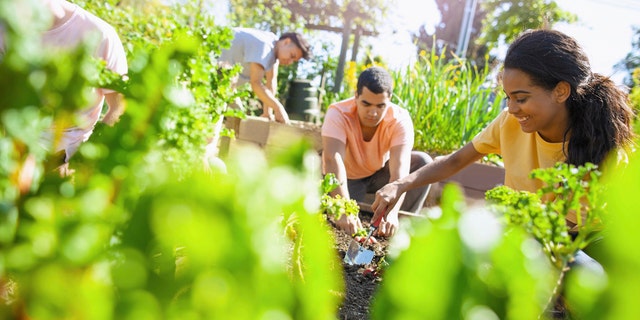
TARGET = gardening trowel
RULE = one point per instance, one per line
(357, 254)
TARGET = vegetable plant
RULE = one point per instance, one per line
(336, 206)
(568, 190)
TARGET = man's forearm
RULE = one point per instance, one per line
(269, 101)
(333, 166)
(264, 94)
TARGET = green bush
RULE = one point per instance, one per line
(199, 87)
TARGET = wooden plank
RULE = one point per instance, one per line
(280, 134)
(270, 135)
(254, 129)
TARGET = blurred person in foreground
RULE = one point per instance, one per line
(70, 26)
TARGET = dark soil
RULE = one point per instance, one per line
(360, 285)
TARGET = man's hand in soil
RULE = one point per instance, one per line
(349, 223)
(388, 226)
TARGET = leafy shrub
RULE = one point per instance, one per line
(199, 87)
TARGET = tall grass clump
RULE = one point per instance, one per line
(449, 101)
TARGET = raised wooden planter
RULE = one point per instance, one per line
(261, 132)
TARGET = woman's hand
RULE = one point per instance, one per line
(385, 199)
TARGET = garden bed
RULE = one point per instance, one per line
(360, 285)
(474, 180)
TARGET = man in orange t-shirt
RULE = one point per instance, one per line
(367, 142)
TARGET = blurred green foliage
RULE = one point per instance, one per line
(612, 297)
(141, 230)
(465, 264)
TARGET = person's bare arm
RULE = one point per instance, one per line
(271, 84)
(272, 79)
(333, 151)
(266, 95)
(115, 102)
(399, 167)
(440, 169)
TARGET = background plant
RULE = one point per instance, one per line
(450, 101)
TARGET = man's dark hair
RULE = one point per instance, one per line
(377, 80)
(300, 43)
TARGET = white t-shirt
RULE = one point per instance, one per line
(80, 26)
(247, 46)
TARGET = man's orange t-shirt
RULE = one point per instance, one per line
(364, 158)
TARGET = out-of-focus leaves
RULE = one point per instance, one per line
(610, 297)
(444, 274)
